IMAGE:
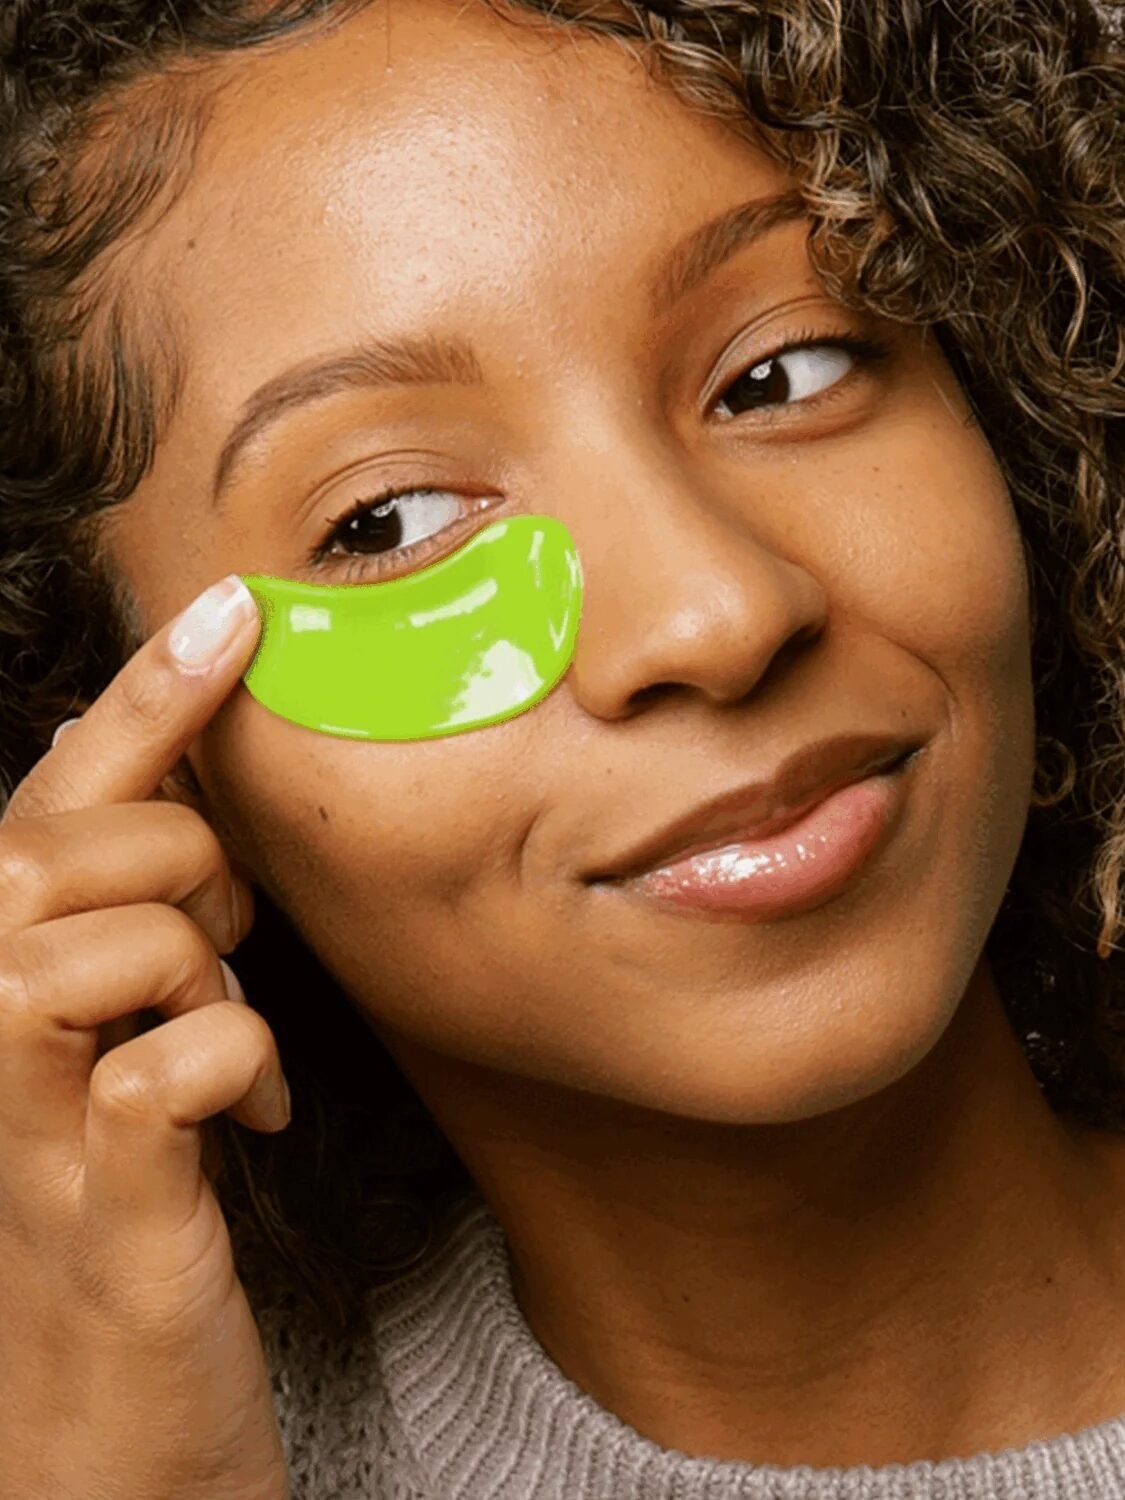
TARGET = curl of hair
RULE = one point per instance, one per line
(964, 167)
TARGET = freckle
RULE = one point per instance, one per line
(323, 811)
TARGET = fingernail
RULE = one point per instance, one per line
(58, 734)
(235, 923)
(230, 983)
(208, 625)
(280, 1110)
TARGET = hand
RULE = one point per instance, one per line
(130, 1363)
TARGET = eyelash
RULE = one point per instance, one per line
(865, 351)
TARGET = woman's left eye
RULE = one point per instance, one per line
(796, 373)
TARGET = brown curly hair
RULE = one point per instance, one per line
(969, 159)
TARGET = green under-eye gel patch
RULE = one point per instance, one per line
(479, 637)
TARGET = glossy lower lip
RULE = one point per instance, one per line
(792, 871)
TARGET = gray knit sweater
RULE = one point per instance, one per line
(446, 1394)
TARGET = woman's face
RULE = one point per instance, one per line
(765, 563)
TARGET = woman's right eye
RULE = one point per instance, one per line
(382, 533)
(381, 526)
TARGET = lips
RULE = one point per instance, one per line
(766, 806)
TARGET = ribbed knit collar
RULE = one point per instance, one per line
(478, 1411)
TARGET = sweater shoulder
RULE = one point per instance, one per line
(332, 1394)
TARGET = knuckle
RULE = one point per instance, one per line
(38, 794)
(20, 803)
(252, 1034)
(259, 1033)
(202, 850)
(118, 1086)
(144, 694)
(16, 1002)
(181, 812)
(23, 878)
(190, 955)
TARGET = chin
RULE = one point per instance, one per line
(839, 1056)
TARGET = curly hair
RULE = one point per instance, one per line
(968, 155)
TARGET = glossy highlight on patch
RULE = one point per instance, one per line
(479, 637)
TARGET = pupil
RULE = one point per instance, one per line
(377, 530)
(761, 383)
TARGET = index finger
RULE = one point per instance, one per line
(139, 727)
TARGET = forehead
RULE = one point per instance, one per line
(429, 159)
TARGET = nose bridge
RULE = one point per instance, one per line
(681, 584)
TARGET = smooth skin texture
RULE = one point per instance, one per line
(783, 1192)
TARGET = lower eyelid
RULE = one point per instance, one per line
(864, 364)
(394, 562)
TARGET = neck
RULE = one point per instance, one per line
(928, 1273)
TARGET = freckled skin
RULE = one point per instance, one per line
(793, 1160)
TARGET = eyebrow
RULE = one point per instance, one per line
(709, 247)
(380, 363)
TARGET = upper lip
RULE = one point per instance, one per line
(767, 806)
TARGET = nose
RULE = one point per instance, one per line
(682, 593)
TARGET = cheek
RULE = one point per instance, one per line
(944, 572)
(928, 558)
(938, 564)
(360, 841)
